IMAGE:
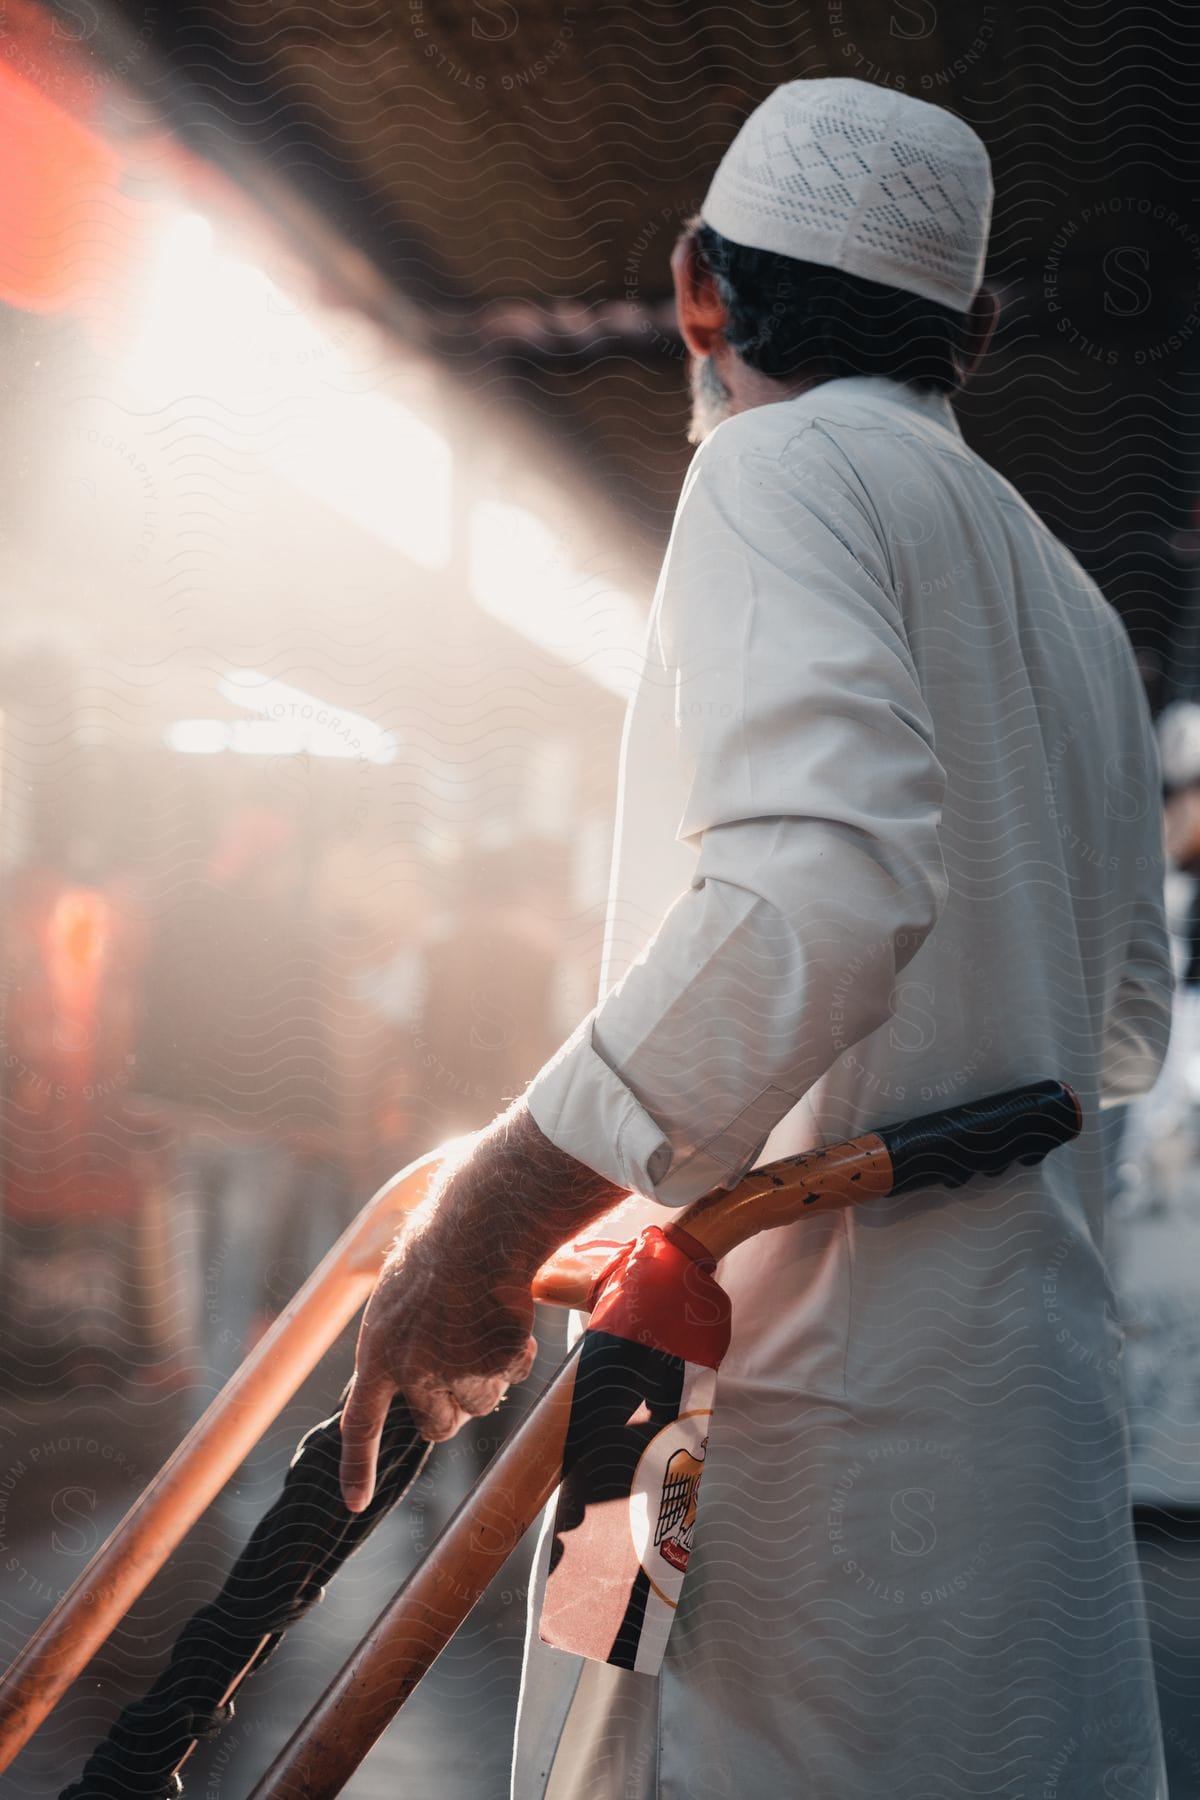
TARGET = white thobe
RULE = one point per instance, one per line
(888, 838)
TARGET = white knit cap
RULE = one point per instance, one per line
(861, 178)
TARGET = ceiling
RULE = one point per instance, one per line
(517, 170)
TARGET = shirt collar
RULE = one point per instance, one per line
(926, 402)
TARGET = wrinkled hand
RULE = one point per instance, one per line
(448, 1325)
(449, 1329)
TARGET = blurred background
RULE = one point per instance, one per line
(342, 422)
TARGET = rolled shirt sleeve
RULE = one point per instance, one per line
(810, 791)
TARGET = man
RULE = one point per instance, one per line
(888, 838)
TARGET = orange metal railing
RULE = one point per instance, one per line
(214, 1448)
(220, 1441)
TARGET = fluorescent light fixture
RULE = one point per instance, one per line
(197, 737)
(269, 737)
(521, 574)
(287, 722)
(321, 729)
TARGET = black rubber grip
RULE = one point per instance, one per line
(982, 1137)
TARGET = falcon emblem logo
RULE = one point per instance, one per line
(677, 1506)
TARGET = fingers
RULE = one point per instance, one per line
(436, 1410)
(439, 1409)
(477, 1395)
(363, 1418)
(521, 1366)
(480, 1394)
(446, 1376)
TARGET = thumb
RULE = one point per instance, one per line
(363, 1418)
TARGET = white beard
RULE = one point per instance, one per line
(710, 398)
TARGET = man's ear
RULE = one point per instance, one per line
(698, 304)
(981, 322)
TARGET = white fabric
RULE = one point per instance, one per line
(862, 178)
(879, 698)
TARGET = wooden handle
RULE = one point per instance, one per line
(946, 1149)
(782, 1192)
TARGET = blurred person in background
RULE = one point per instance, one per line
(890, 836)
(75, 1157)
(244, 1048)
(1158, 1136)
(1179, 741)
(1155, 1256)
(1156, 1240)
(378, 898)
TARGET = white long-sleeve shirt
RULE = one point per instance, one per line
(889, 837)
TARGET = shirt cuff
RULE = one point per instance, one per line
(581, 1104)
(583, 1107)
